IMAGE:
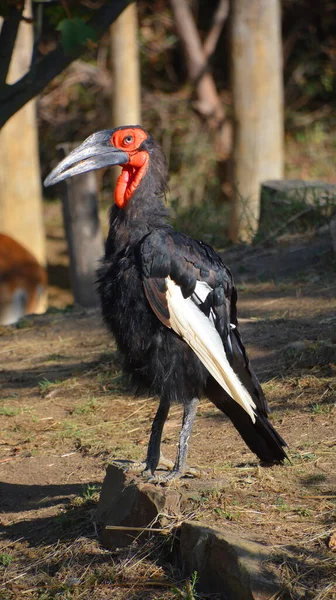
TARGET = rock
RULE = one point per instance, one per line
(285, 203)
(311, 192)
(226, 564)
(333, 231)
(127, 501)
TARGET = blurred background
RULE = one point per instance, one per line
(238, 93)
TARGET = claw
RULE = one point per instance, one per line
(150, 476)
(145, 470)
(167, 477)
(136, 467)
(174, 475)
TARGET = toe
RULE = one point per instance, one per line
(136, 467)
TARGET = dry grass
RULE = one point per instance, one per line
(65, 411)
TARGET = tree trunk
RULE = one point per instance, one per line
(126, 100)
(13, 97)
(258, 108)
(21, 214)
(83, 232)
(126, 92)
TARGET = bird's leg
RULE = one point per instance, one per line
(153, 452)
(182, 451)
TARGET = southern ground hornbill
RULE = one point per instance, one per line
(170, 301)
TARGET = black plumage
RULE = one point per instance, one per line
(143, 253)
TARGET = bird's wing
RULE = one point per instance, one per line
(191, 291)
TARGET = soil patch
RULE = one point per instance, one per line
(65, 412)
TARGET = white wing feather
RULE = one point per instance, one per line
(188, 321)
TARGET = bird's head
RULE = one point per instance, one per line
(131, 147)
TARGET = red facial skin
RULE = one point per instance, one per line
(129, 140)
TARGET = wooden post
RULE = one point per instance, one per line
(126, 100)
(126, 91)
(83, 232)
(21, 215)
(258, 108)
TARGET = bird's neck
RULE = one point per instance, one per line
(128, 226)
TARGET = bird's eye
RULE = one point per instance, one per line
(128, 139)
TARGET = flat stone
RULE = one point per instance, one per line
(333, 231)
(226, 564)
(308, 190)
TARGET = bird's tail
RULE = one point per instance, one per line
(260, 437)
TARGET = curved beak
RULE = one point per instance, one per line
(94, 153)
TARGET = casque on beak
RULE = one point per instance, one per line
(94, 153)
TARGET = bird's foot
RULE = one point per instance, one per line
(145, 468)
(136, 467)
(174, 475)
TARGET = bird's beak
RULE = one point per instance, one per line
(94, 153)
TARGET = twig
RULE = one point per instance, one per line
(4, 585)
(3, 460)
(318, 497)
(142, 585)
(279, 593)
(2, 548)
(126, 528)
(218, 21)
(66, 9)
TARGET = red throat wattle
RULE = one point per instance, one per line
(130, 177)
(130, 139)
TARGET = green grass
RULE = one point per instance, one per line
(224, 514)
(5, 559)
(24, 324)
(90, 492)
(281, 504)
(9, 411)
(188, 592)
(45, 385)
(53, 310)
(87, 407)
(317, 409)
(303, 512)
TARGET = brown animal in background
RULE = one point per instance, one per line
(22, 281)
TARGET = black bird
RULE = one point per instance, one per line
(170, 301)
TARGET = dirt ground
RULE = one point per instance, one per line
(65, 412)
